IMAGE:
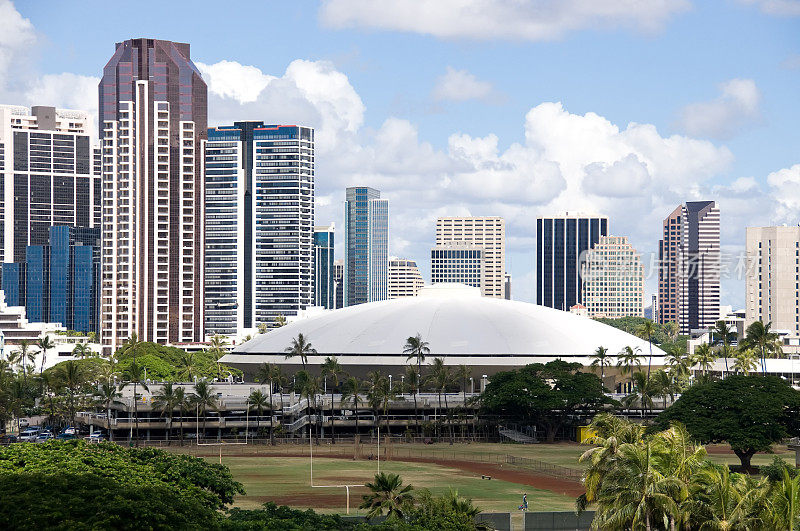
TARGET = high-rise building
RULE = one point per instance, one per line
(323, 267)
(612, 275)
(488, 233)
(366, 246)
(47, 176)
(58, 282)
(772, 280)
(689, 265)
(338, 283)
(405, 280)
(458, 261)
(561, 242)
(259, 225)
(152, 119)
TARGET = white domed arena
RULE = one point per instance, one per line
(462, 327)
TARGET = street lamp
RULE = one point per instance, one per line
(390, 382)
(483, 382)
(471, 385)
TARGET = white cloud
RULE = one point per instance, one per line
(460, 85)
(789, 8)
(18, 43)
(737, 106)
(531, 20)
(623, 178)
(785, 191)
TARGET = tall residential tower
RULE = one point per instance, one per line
(773, 277)
(153, 121)
(488, 233)
(259, 258)
(366, 246)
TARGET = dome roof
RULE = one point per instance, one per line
(455, 321)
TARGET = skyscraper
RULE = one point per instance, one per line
(458, 261)
(366, 246)
(688, 278)
(47, 176)
(323, 267)
(338, 283)
(561, 242)
(259, 193)
(612, 276)
(152, 119)
(405, 280)
(488, 233)
(772, 278)
(59, 282)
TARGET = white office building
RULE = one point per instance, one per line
(612, 275)
(458, 262)
(772, 281)
(405, 280)
(487, 233)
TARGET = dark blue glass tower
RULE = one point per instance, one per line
(323, 267)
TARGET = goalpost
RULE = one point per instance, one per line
(346, 487)
(220, 443)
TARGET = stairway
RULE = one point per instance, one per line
(517, 436)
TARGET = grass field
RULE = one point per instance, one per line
(285, 480)
(281, 475)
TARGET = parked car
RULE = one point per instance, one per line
(66, 436)
(45, 436)
(24, 423)
(7, 439)
(97, 436)
(69, 431)
(30, 434)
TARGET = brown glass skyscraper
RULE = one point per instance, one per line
(153, 120)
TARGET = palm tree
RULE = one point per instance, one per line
(204, 398)
(166, 402)
(416, 348)
(184, 402)
(463, 373)
(311, 386)
(186, 366)
(270, 373)
(44, 344)
(704, 357)
(664, 385)
(82, 350)
(629, 360)
(72, 377)
(601, 359)
(106, 395)
(785, 502)
(724, 332)
(387, 494)
(678, 362)
(646, 330)
(259, 401)
(25, 356)
(644, 389)
(351, 389)
(745, 362)
(758, 336)
(216, 348)
(300, 347)
(717, 498)
(671, 329)
(442, 377)
(413, 381)
(279, 321)
(134, 374)
(263, 328)
(332, 368)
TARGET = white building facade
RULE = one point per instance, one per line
(488, 233)
(612, 276)
(772, 281)
(405, 280)
(458, 262)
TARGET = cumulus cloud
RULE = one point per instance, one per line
(18, 45)
(460, 85)
(738, 105)
(623, 178)
(532, 20)
(785, 190)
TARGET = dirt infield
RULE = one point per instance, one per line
(562, 486)
(318, 500)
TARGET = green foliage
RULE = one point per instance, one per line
(774, 471)
(661, 331)
(90, 367)
(108, 486)
(164, 363)
(748, 412)
(549, 394)
(275, 518)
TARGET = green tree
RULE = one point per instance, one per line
(387, 494)
(645, 331)
(259, 401)
(749, 413)
(106, 395)
(134, 375)
(44, 344)
(82, 350)
(166, 401)
(724, 332)
(412, 380)
(704, 357)
(548, 394)
(186, 369)
(204, 398)
(745, 362)
(416, 348)
(601, 359)
(351, 394)
(73, 378)
(216, 349)
(332, 368)
(763, 340)
(442, 377)
(300, 348)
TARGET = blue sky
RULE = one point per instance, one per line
(431, 103)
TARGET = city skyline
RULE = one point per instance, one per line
(642, 134)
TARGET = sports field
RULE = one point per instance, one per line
(281, 473)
